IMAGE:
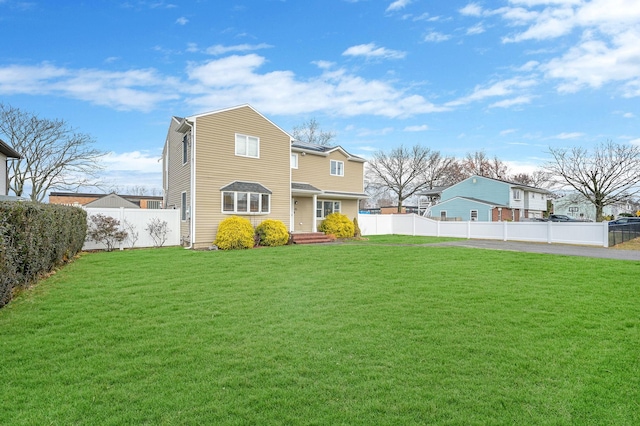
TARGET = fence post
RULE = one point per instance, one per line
(549, 232)
(605, 233)
(468, 230)
(505, 233)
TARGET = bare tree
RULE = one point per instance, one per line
(404, 171)
(609, 174)
(310, 132)
(538, 178)
(55, 156)
(477, 163)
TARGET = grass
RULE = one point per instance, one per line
(333, 334)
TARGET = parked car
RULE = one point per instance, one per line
(561, 218)
(625, 220)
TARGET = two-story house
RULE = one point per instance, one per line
(6, 152)
(236, 161)
(480, 198)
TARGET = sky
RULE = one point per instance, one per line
(507, 77)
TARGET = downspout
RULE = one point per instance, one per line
(192, 183)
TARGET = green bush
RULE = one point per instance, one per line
(34, 239)
(272, 233)
(338, 225)
(235, 233)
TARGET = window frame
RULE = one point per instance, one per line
(248, 200)
(294, 159)
(517, 195)
(246, 145)
(473, 217)
(183, 206)
(339, 167)
(322, 209)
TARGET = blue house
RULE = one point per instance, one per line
(480, 198)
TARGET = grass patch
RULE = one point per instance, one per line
(332, 334)
(401, 239)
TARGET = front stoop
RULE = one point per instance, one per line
(310, 238)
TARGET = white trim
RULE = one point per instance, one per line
(247, 144)
(338, 169)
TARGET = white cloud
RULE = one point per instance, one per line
(437, 37)
(138, 161)
(501, 88)
(519, 100)
(397, 5)
(236, 79)
(421, 128)
(219, 49)
(182, 21)
(472, 9)
(628, 115)
(507, 132)
(635, 141)
(138, 89)
(570, 135)
(370, 50)
(476, 29)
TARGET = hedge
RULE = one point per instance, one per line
(34, 239)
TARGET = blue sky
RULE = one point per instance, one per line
(510, 77)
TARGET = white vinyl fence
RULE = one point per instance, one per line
(581, 233)
(137, 220)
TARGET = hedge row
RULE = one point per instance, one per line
(34, 239)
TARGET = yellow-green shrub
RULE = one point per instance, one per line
(338, 225)
(272, 233)
(234, 233)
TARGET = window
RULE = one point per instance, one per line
(337, 168)
(183, 206)
(474, 215)
(516, 194)
(245, 202)
(185, 148)
(325, 208)
(443, 215)
(294, 161)
(247, 146)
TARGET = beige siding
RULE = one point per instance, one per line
(315, 170)
(217, 166)
(179, 175)
(304, 212)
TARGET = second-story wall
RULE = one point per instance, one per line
(176, 174)
(480, 188)
(315, 169)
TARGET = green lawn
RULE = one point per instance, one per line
(365, 334)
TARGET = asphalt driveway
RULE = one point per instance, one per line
(560, 249)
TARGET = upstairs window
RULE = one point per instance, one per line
(294, 161)
(247, 146)
(517, 195)
(337, 168)
(185, 148)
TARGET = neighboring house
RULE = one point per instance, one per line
(578, 207)
(6, 152)
(235, 161)
(479, 198)
(106, 200)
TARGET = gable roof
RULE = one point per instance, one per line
(8, 151)
(511, 184)
(470, 199)
(323, 150)
(204, 114)
(112, 200)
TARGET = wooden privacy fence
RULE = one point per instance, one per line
(137, 220)
(581, 233)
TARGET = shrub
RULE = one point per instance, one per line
(272, 233)
(158, 230)
(338, 225)
(356, 229)
(235, 233)
(34, 239)
(106, 230)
